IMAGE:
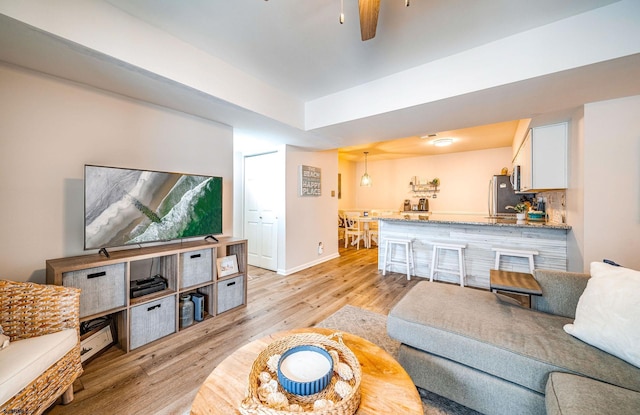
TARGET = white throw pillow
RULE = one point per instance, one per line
(608, 312)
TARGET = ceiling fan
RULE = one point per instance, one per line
(369, 17)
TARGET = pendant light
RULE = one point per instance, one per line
(366, 179)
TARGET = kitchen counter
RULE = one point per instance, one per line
(473, 220)
(480, 234)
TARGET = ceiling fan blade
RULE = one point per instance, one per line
(368, 18)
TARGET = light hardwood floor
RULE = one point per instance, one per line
(163, 378)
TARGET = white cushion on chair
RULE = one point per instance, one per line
(4, 339)
(24, 360)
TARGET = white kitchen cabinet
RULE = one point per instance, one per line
(543, 158)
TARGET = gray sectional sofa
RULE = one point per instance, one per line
(488, 353)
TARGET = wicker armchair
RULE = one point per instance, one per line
(29, 310)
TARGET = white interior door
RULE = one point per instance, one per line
(261, 221)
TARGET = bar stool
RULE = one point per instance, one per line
(389, 244)
(521, 253)
(459, 248)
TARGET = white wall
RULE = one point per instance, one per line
(50, 128)
(575, 193)
(612, 181)
(347, 170)
(110, 32)
(464, 179)
(303, 222)
(310, 220)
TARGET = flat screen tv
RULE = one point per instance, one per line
(129, 207)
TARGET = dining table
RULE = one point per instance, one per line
(364, 224)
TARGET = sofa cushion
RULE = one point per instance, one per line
(608, 312)
(473, 327)
(561, 291)
(576, 395)
(24, 360)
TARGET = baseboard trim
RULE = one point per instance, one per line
(290, 271)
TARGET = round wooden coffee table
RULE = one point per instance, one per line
(386, 388)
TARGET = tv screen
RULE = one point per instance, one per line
(128, 206)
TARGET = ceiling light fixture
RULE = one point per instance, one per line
(366, 179)
(442, 142)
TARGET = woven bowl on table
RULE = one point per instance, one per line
(348, 405)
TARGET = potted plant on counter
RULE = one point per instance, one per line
(521, 210)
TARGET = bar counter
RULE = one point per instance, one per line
(480, 234)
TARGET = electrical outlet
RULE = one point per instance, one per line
(320, 248)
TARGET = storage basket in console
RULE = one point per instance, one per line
(230, 293)
(197, 268)
(153, 320)
(103, 288)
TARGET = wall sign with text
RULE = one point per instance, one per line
(310, 181)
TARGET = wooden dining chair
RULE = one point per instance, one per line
(341, 226)
(352, 229)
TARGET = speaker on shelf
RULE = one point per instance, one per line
(198, 301)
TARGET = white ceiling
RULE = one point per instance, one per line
(464, 139)
(298, 47)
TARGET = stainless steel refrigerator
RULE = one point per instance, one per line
(501, 195)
